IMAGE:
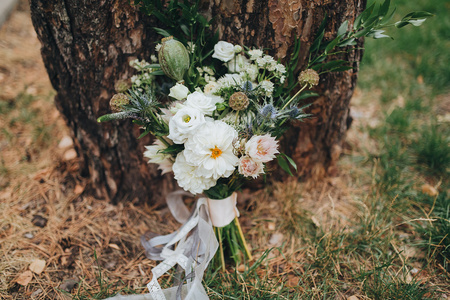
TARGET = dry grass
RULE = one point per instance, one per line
(47, 213)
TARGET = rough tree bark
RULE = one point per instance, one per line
(86, 48)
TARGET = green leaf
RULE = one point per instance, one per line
(173, 149)
(360, 20)
(348, 42)
(341, 69)
(320, 34)
(316, 44)
(384, 8)
(185, 30)
(401, 24)
(157, 73)
(332, 44)
(363, 32)
(153, 66)
(161, 32)
(147, 131)
(305, 95)
(388, 18)
(291, 161)
(418, 15)
(331, 64)
(283, 163)
(343, 28)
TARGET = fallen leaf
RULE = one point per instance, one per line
(39, 221)
(114, 246)
(315, 221)
(70, 154)
(276, 239)
(68, 285)
(292, 280)
(25, 278)
(37, 266)
(66, 142)
(78, 189)
(429, 190)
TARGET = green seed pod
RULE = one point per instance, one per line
(173, 58)
(238, 101)
(117, 101)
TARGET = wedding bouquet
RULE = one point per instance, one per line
(217, 111)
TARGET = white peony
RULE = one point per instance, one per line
(186, 177)
(223, 51)
(211, 150)
(184, 123)
(153, 153)
(201, 102)
(179, 91)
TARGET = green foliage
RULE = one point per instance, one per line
(382, 283)
(433, 148)
(437, 231)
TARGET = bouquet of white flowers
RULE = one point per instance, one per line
(217, 111)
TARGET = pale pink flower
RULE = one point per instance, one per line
(262, 148)
(248, 167)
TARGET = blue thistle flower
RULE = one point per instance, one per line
(293, 112)
(269, 111)
(247, 86)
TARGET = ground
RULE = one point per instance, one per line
(368, 233)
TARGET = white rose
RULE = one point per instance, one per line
(184, 123)
(201, 102)
(179, 91)
(223, 51)
(237, 48)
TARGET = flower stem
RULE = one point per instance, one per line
(222, 257)
(241, 234)
(293, 97)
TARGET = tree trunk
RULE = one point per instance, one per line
(86, 48)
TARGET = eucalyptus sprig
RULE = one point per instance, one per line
(370, 23)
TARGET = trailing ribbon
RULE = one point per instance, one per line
(196, 246)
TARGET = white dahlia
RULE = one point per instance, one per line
(211, 150)
(187, 178)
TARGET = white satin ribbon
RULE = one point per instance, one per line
(223, 211)
(196, 246)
